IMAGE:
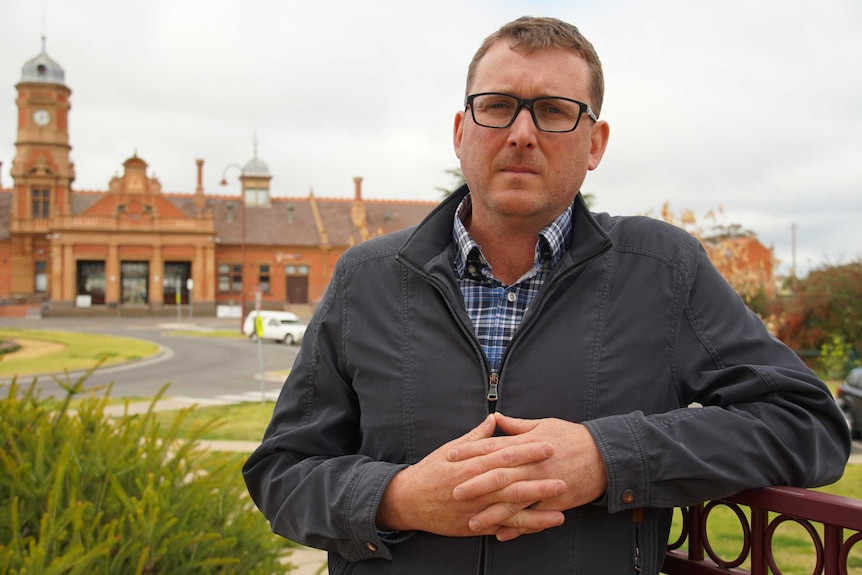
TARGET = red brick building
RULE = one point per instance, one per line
(134, 249)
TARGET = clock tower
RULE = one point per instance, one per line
(42, 174)
(42, 169)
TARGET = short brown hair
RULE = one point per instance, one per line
(529, 34)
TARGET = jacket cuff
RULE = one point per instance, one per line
(368, 541)
(622, 449)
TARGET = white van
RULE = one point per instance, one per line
(277, 325)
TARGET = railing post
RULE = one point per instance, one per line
(833, 536)
(695, 532)
(759, 524)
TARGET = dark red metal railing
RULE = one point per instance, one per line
(840, 519)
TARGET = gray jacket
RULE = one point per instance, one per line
(633, 327)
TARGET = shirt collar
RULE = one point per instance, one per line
(553, 241)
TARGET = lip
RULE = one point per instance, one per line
(519, 170)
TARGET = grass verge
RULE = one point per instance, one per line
(237, 422)
(70, 351)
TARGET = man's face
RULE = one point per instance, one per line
(519, 172)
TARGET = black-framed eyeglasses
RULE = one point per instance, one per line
(550, 113)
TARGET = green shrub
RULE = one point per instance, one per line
(82, 492)
(8, 346)
(836, 358)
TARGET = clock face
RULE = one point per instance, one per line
(41, 117)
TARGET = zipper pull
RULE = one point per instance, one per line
(492, 387)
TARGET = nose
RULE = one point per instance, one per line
(522, 132)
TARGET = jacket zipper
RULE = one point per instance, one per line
(637, 519)
(494, 379)
(493, 382)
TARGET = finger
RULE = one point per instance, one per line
(484, 430)
(490, 473)
(508, 485)
(503, 448)
(513, 425)
(519, 518)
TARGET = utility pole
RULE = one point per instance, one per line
(793, 250)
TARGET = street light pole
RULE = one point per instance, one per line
(242, 239)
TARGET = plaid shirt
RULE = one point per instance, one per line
(497, 309)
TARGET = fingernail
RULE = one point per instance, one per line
(475, 525)
(458, 494)
(452, 455)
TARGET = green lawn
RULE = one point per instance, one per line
(237, 422)
(69, 351)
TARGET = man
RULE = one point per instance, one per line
(594, 335)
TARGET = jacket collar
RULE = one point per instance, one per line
(430, 243)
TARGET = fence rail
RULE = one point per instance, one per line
(840, 520)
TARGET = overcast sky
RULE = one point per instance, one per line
(750, 105)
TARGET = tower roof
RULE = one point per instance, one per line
(255, 167)
(43, 69)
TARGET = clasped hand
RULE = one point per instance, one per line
(507, 486)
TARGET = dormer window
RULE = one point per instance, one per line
(256, 197)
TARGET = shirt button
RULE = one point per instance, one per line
(471, 270)
(511, 297)
(628, 496)
(371, 546)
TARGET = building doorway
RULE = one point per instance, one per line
(177, 275)
(134, 282)
(296, 277)
(90, 280)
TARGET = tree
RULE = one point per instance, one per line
(823, 306)
(458, 175)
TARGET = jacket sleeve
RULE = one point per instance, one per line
(306, 476)
(754, 414)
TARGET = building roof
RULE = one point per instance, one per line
(43, 69)
(293, 221)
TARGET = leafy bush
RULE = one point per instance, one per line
(836, 358)
(82, 492)
(8, 346)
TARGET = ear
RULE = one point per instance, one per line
(598, 142)
(458, 133)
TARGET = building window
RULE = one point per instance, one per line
(230, 211)
(41, 203)
(263, 278)
(230, 278)
(41, 277)
(256, 197)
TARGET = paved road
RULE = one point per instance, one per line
(198, 367)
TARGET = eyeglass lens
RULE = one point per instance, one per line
(550, 114)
